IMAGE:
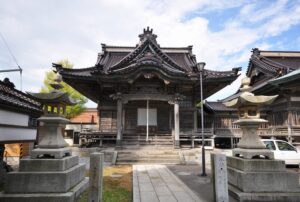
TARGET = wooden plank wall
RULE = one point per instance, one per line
(108, 121)
(17, 149)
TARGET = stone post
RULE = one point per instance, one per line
(176, 124)
(119, 122)
(219, 177)
(96, 177)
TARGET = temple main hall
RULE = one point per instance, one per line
(146, 92)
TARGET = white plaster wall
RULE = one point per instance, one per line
(13, 118)
(12, 134)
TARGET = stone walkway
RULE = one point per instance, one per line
(156, 183)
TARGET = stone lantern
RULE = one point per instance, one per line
(248, 106)
(53, 121)
(253, 173)
(51, 173)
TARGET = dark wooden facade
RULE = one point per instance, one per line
(271, 73)
(125, 79)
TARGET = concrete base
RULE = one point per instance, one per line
(69, 196)
(39, 165)
(252, 153)
(256, 165)
(261, 180)
(51, 153)
(262, 197)
(44, 182)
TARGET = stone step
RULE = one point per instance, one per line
(147, 156)
(128, 158)
(149, 161)
(150, 138)
(146, 144)
(148, 147)
(149, 152)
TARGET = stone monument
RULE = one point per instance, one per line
(253, 174)
(51, 173)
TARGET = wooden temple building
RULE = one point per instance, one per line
(146, 93)
(271, 73)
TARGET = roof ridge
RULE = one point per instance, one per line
(140, 48)
(59, 67)
(273, 63)
(18, 94)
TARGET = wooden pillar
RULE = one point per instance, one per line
(176, 125)
(119, 122)
(170, 119)
(147, 125)
(289, 121)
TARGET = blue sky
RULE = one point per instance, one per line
(221, 32)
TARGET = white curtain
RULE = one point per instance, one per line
(142, 117)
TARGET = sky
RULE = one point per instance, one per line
(222, 33)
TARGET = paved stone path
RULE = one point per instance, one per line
(156, 183)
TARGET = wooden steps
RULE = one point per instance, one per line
(139, 139)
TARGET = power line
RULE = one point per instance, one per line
(15, 59)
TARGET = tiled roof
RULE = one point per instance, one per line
(217, 74)
(124, 62)
(17, 100)
(274, 64)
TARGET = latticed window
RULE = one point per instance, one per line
(32, 122)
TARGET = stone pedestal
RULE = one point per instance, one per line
(253, 153)
(51, 174)
(261, 180)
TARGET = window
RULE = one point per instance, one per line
(142, 117)
(32, 122)
(283, 146)
(270, 145)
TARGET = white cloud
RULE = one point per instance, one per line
(42, 32)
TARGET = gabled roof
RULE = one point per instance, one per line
(15, 100)
(278, 66)
(275, 63)
(147, 52)
(126, 64)
(179, 62)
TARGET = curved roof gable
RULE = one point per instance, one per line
(274, 63)
(147, 52)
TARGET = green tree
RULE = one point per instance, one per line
(81, 100)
